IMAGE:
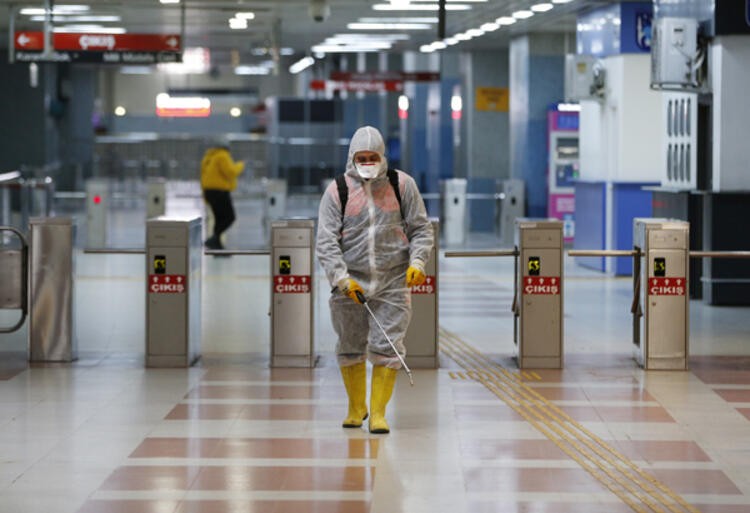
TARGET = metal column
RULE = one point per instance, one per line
(421, 340)
(538, 303)
(661, 336)
(292, 321)
(174, 252)
(51, 316)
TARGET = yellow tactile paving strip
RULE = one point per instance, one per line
(636, 488)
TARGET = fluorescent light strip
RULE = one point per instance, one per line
(88, 29)
(59, 9)
(544, 7)
(251, 70)
(422, 7)
(505, 20)
(61, 18)
(389, 26)
(398, 20)
(366, 37)
(301, 65)
(522, 15)
(346, 49)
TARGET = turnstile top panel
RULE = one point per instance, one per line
(658, 223)
(542, 223)
(293, 223)
(51, 220)
(174, 221)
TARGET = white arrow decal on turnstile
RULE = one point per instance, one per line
(23, 39)
(679, 282)
(666, 282)
(291, 279)
(172, 41)
(541, 281)
(179, 279)
(279, 279)
(304, 279)
(554, 280)
(655, 281)
(529, 280)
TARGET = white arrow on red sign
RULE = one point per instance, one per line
(172, 41)
(23, 39)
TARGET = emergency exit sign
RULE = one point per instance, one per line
(291, 284)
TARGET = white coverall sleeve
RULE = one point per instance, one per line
(328, 245)
(418, 226)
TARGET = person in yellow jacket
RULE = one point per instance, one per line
(219, 174)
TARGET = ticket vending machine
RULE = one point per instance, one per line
(660, 334)
(538, 299)
(563, 170)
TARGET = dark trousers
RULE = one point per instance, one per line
(221, 205)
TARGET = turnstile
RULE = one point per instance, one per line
(421, 340)
(97, 205)
(156, 197)
(660, 335)
(51, 270)
(538, 298)
(454, 219)
(174, 252)
(292, 321)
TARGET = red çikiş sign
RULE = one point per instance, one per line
(541, 285)
(428, 287)
(666, 286)
(291, 284)
(167, 283)
(34, 41)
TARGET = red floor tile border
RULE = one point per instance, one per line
(548, 507)
(734, 396)
(240, 478)
(128, 506)
(274, 507)
(696, 481)
(745, 412)
(344, 448)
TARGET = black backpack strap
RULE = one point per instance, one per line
(343, 195)
(393, 178)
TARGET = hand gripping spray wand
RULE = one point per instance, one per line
(363, 300)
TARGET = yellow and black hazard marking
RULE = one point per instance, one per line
(642, 492)
(160, 264)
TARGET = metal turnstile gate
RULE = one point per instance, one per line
(660, 334)
(174, 252)
(454, 220)
(292, 293)
(538, 298)
(51, 270)
(421, 340)
(14, 278)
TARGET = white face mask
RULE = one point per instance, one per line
(369, 170)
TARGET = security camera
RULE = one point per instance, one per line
(319, 10)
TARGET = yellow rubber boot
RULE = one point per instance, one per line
(355, 381)
(383, 380)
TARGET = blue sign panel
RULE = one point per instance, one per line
(636, 27)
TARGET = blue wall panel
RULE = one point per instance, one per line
(590, 218)
(628, 202)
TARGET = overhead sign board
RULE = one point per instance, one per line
(99, 48)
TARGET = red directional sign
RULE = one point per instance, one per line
(666, 286)
(541, 285)
(428, 287)
(34, 41)
(167, 283)
(291, 284)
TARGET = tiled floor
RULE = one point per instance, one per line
(105, 435)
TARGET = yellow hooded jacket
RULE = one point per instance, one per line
(219, 171)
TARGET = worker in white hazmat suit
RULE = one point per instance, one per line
(377, 245)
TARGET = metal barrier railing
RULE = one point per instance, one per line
(14, 273)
